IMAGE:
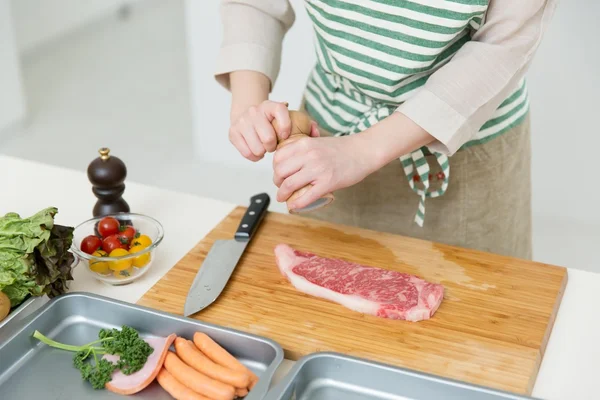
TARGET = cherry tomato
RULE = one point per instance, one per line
(113, 242)
(108, 226)
(142, 240)
(90, 244)
(120, 265)
(124, 241)
(126, 273)
(128, 232)
(140, 261)
(100, 267)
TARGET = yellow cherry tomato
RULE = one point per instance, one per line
(142, 240)
(142, 260)
(119, 265)
(100, 267)
(126, 273)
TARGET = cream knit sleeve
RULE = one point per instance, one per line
(463, 94)
(253, 32)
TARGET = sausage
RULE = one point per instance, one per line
(220, 356)
(197, 381)
(176, 389)
(190, 355)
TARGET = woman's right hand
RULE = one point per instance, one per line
(252, 132)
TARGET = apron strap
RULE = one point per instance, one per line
(415, 165)
(417, 169)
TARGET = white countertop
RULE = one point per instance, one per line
(569, 368)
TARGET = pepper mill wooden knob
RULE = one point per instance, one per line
(107, 174)
(301, 126)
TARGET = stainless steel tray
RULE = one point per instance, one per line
(31, 370)
(332, 376)
(19, 314)
(24, 310)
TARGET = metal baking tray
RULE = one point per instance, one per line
(19, 314)
(31, 370)
(333, 376)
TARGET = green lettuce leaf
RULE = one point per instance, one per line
(17, 276)
(26, 233)
(34, 256)
(54, 261)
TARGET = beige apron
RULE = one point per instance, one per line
(374, 55)
(487, 205)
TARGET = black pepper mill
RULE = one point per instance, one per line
(107, 174)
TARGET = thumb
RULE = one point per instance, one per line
(314, 129)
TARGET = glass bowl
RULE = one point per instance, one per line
(124, 269)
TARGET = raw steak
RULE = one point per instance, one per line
(368, 290)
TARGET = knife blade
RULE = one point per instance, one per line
(223, 257)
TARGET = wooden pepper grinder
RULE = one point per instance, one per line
(301, 126)
(107, 174)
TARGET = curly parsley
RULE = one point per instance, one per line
(133, 352)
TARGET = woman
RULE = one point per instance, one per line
(421, 108)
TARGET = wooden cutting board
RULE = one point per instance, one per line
(491, 329)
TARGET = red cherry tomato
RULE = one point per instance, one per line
(128, 232)
(108, 226)
(90, 244)
(113, 242)
(124, 240)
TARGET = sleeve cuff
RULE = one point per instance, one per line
(249, 57)
(448, 127)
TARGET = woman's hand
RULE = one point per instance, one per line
(328, 164)
(251, 131)
(335, 163)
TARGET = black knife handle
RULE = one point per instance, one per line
(253, 217)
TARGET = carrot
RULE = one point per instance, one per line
(177, 390)
(220, 356)
(190, 355)
(196, 381)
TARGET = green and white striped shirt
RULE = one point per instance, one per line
(455, 67)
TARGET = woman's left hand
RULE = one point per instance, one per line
(328, 164)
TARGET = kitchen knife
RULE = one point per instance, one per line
(223, 257)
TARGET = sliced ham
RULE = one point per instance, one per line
(130, 384)
(368, 290)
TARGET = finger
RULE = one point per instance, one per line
(265, 132)
(282, 170)
(298, 148)
(253, 141)
(313, 194)
(240, 144)
(293, 183)
(285, 163)
(251, 156)
(314, 129)
(279, 115)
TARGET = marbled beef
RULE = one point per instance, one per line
(368, 290)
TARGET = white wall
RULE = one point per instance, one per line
(12, 104)
(564, 83)
(38, 21)
(210, 101)
(26, 24)
(564, 86)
